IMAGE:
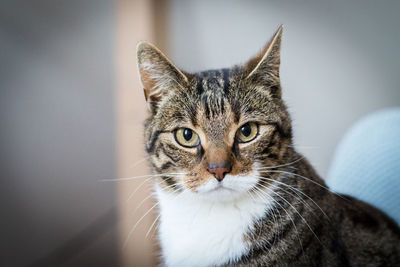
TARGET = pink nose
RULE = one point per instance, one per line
(219, 173)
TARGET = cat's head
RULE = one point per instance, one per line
(209, 133)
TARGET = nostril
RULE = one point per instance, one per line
(219, 173)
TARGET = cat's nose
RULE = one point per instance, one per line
(219, 172)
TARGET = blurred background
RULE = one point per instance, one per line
(71, 106)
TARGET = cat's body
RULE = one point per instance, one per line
(231, 188)
(347, 233)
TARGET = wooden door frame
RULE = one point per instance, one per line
(137, 20)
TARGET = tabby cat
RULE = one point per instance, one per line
(232, 190)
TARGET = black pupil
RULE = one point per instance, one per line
(246, 130)
(187, 134)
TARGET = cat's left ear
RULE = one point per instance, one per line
(264, 67)
(157, 73)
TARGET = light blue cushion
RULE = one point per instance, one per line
(366, 164)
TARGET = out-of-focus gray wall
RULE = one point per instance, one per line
(57, 133)
(340, 59)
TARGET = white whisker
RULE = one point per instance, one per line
(141, 176)
(152, 225)
(138, 187)
(282, 165)
(137, 223)
(295, 189)
(141, 203)
(284, 199)
(287, 213)
(139, 162)
(305, 178)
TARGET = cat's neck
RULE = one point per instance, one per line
(194, 230)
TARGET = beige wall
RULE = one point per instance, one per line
(137, 21)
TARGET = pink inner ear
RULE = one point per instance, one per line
(253, 62)
(148, 83)
(273, 56)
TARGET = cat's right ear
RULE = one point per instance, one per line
(157, 73)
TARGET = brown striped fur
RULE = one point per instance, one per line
(311, 226)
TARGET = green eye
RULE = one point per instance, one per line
(247, 132)
(187, 137)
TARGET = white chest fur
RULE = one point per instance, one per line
(197, 232)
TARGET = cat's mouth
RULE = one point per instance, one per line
(219, 193)
(220, 188)
(232, 187)
(214, 186)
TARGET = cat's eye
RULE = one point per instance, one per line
(187, 137)
(247, 132)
